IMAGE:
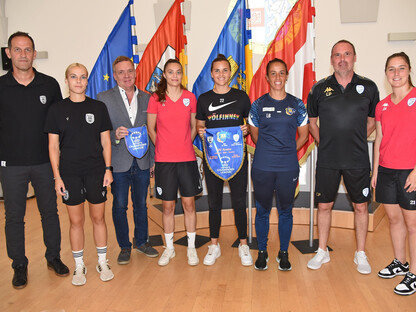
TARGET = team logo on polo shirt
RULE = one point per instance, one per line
(359, 88)
(42, 99)
(328, 91)
(290, 111)
(411, 101)
(89, 118)
(186, 102)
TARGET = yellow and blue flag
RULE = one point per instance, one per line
(233, 43)
(119, 42)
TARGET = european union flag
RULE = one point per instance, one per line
(232, 43)
(118, 43)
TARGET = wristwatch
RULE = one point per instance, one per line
(109, 168)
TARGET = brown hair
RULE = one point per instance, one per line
(20, 34)
(344, 41)
(275, 60)
(405, 57)
(220, 58)
(163, 84)
(120, 59)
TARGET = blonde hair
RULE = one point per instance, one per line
(75, 65)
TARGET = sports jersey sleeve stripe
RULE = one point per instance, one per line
(303, 114)
(253, 117)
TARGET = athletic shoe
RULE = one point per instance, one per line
(124, 256)
(192, 256)
(407, 285)
(20, 276)
(321, 257)
(166, 256)
(360, 259)
(148, 250)
(262, 259)
(245, 255)
(79, 279)
(105, 271)
(214, 252)
(283, 260)
(393, 269)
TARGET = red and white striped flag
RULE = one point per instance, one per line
(294, 45)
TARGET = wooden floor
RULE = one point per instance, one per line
(227, 286)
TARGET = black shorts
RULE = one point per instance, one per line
(357, 182)
(81, 188)
(390, 188)
(171, 176)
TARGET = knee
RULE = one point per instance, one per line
(98, 219)
(189, 209)
(361, 208)
(77, 223)
(325, 207)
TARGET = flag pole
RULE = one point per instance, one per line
(134, 45)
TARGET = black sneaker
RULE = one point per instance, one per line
(124, 256)
(262, 259)
(20, 276)
(393, 269)
(283, 260)
(58, 266)
(407, 285)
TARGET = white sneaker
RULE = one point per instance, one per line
(360, 259)
(79, 279)
(168, 254)
(192, 256)
(105, 271)
(214, 252)
(321, 257)
(245, 255)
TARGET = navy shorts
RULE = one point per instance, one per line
(81, 188)
(171, 176)
(357, 182)
(390, 188)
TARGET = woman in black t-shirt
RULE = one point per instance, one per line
(80, 153)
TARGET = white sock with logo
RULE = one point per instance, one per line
(191, 239)
(169, 240)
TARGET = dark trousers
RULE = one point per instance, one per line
(238, 187)
(14, 181)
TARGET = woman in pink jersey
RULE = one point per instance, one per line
(172, 128)
(394, 172)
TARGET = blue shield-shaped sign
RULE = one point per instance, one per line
(137, 141)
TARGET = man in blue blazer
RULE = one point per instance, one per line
(127, 107)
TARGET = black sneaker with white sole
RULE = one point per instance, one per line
(262, 259)
(283, 260)
(407, 286)
(393, 269)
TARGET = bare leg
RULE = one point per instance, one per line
(188, 204)
(361, 224)
(324, 223)
(98, 222)
(76, 228)
(410, 219)
(398, 231)
(168, 217)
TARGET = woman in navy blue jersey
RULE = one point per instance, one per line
(274, 120)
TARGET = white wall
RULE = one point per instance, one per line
(76, 31)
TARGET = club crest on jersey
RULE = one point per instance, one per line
(42, 99)
(359, 88)
(268, 115)
(290, 111)
(411, 101)
(186, 102)
(328, 91)
(89, 118)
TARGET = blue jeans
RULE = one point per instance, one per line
(138, 180)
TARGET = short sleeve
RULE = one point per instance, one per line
(51, 122)
(253, 116)
(375, 99)
(312, 102)
(152, 107)
(303, 114)
(106, 121)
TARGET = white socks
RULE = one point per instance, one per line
(169, 240)
(78, 257)
(191, 239)
(102, 254)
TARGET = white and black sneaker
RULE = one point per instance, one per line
(407, 286)
(393, 269)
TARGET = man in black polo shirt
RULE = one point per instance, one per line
(25, 97)
(345, 104)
